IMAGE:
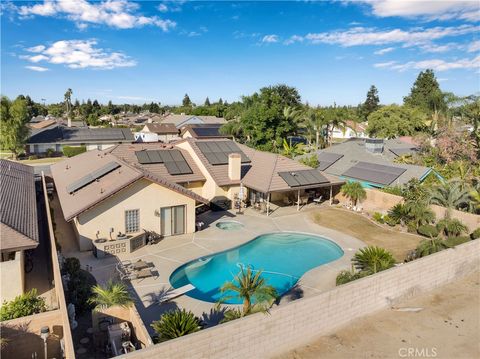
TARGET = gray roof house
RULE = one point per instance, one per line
(182, 120)
(371, 162)
(18, 210)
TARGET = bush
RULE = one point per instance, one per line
(378, 217)
(26, 304)
(430, 246)
(72, 266)
(50, 152)
(33, 157)
(389, 220)
(451, 227)
(176, 323)
(411, 227)
(371, 259)
(455, 241)
(428, 230)
(79, 288)
(71, 151)
(346, 276)
(310, 161)
(475, 234)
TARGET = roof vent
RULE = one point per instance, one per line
(374, 145)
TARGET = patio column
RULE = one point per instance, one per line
(331, 193)
(298, 201)
(268, 203)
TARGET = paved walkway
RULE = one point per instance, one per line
(172, 252)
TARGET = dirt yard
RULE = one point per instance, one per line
(447, 327)
(362, 228)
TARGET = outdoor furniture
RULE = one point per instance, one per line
(139, 265)
(176, 293)
(142, 274)
(317, 200)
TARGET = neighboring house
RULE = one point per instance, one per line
(352, 130)
(182, 120)
(371, 162)
(166, 132)
(156, 187)
(57, 136)
(42, 124)
(18, 225)
(203, 131)
(145, 137)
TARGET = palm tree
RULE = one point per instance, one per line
(399, 213)
(68, 101)
(430, 246)
(371, 260)
(451, 227)
(314, 122)
(112, 294)
(354, 191)
(175, 324)
(292, 150)
(419, 213)
(232, 128)
(250, 288)
(449, 195)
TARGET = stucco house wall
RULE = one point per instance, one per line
(9, 288)
(144, 195)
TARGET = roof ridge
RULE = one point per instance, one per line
(273, 170)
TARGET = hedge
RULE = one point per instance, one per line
(428, 230)
(71, 151)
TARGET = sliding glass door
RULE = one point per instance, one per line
(172, 220)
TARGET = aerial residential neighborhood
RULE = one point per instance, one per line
(289, 180)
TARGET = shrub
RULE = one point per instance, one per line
(310, 161)
(50, 152)
(110, 295)
(175, 324)
(475, 234)
(430, 246)
(398, 214)
(25, 304)
(72, 266)
(455, 241)
(372, 259)
(346, 276)
(389, 220)
(33, 157)
(451, 227)
(79, 288)
(411, 227)
(378, 217)
(71, 151)
(428, 230)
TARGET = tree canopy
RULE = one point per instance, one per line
(393, 120)
(371, 104)
(13, 130)
(426, 94)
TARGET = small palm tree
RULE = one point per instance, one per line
(112, 294)
(419, 213)
(292, 150)
(250, 288)
(451, 227)
(354, 191)
(430, 246)
(373, 259)
(175, 324)
(399, 213)
(450, 195)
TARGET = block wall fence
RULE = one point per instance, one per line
(301, 321)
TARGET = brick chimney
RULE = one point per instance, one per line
(234, 166)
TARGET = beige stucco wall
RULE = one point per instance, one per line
(144, 195)
(13, 277)
(196, 187)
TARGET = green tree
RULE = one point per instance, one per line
(13, 125)
(354, 191)
(249, 287)
(425, 93)
(371, 260)
(110, 295)
(310, 161)
(392, 121)
(419, 213)
(25, 304)
(176, 323)
(371, 103)
(186, 102)
(430, 246)
(451, 227)
(399, 214)
(292, 150)
(207, 102)
(314, 123)
(450, 195)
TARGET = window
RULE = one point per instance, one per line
(132, 220)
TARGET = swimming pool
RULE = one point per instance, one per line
(229, 225)
(284, 257)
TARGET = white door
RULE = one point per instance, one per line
(166, 221)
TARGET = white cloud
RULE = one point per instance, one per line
(384, 51)
(371, 36)
(37, 68)
(80, 54)
(269, 39)
(162, 8)
(428, 9)
(435, 64)
(439, 48)
(171, 6)
(38, 48)
(293, 39)
(474, 46)
(120, 14)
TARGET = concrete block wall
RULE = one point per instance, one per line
(299, 322)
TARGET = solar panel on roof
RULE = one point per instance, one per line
(374, 173)
(173, 160)
(303, 178)
(91, 177)
(216, 152)
(206, 131)
(326, 159)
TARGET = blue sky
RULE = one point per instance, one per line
(331, 51)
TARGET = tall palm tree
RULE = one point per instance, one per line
(249, 287)
(68, 101)
(354, 191)
(314, 122)
(449, 195)
(112, 294)
(371, 260)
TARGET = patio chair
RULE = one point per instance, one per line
(142, 274)
(317, 200)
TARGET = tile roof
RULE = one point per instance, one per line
(70, 170)
(260, 174)
(162, 128)
(205, 131)
(126, 152)
(62, 134)
(42, 124)
(18, 210)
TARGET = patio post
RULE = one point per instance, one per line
(331, 193)
(268, 203)
(298, 201)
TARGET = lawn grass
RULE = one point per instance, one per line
(356, 225)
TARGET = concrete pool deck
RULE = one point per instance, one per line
(172, 252)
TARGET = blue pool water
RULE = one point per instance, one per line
(283, 257)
